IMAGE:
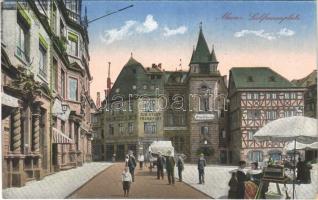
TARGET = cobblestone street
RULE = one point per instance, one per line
(108, 185)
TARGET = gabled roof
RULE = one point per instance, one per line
(201, 53)
(309, 80)
(258, 77)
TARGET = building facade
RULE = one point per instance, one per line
(46, 107)
(310, 83)
(147, 104)
(257, 96)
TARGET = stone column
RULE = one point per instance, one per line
(36, 129)
(17, 131)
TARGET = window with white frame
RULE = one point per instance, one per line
(255, 156)
(148, 105)
(42, 61)
(121, 128)
(73, 44)
(130, 127)
(251, 134)
(22, 42)
(249, 95)
(73, 89)
(150, 127)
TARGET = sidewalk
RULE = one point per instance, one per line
(58, 185)
(217, 178)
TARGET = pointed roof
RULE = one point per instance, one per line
(213, 57)
(132, 62)
(201, 53)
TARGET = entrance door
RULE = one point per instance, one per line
(120, 154)
(54, 156)
(223, 156)
(109, 152)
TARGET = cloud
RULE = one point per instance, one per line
(259, 33)
(169, 32)
(148, 26)
(266, 35)
(129, 28)
(124, 31)
(286, 32)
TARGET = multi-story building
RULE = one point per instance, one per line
(259, 95)
(149, 104)
(309, 82)
(46, 107)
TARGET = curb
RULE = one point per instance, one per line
(69, 195)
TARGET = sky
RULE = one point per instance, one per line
(167, 31)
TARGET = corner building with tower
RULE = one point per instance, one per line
(148, 104)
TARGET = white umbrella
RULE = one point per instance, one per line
(297, 128)
(301, 146)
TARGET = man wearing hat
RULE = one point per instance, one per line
(170, 163)
(201, 165)
(132, 164)
(160, 165)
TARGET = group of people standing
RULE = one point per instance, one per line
(169, 163)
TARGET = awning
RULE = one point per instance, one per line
(8, 100)
(58, 112)
(60, 138)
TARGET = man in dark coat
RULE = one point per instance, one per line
(180, 165)
(132, 165)
(241, 178)
(201, 165)
(170, 164)
(160, 166)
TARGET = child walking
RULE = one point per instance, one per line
(126, 179)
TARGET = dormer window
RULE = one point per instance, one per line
(272, 79)
(134, 71)
(134, 87)
(117, 90)
(250, 79)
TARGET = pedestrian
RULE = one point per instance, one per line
(126, 160)
(201, 165)
(170, 164)
(160, 166)
(233, 184)
(180, 165)
(141, 160)
(241, 178)
(132, 165)
(114, 158)
(126, 179)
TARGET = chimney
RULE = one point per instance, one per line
(159, 65)
(154, 65)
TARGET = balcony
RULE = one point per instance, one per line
(74, 16)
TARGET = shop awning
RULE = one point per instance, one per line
(8, 100)
(60, 138)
